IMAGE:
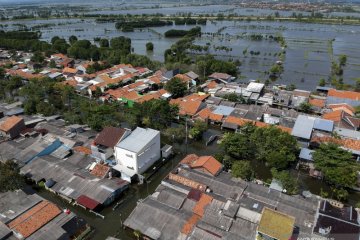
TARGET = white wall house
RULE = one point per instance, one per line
(137, 152)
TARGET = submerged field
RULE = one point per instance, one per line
(307, 52)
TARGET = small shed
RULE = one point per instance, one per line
(166, 151)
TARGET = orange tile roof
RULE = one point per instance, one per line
(199, 208)
(116, 93)
(345, 142)
(25, 75)
(35, 218)
(207, 163)
(241, 121)
(343, 106)
(147, 97)
(212, 85)
(70, 70)
(317, 102)
(187, 182)
(10, 122)
(344, 94)
(59, 55)
(190, 223)
(204, 113)
(335, 116)
(100, 170)
(70, 82)
(133, 95)
(189, 159)
(183, 77)
(83, 149)
(155, 79)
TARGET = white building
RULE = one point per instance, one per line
(137, 152)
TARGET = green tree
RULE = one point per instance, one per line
(52, 64)
(288, 182)
(305, 107)
(104, 43)
(242, 169)
(38, 57)
(176, 87)
(198, 129)
(237, 145)
(72, 39)
(322, 82)
(10, 178)
(149, 46)
(232, 97)
(337, 165)
(342, 60)
(176, 134)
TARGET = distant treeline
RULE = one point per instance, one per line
(128, 26)
(196, 31)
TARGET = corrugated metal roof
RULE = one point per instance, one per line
(336, 100)
(324, 125)
(223, 110)
(138, 139)
(306, 154)
(303, 127)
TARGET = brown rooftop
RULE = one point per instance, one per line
(109, 136)
(10, 123)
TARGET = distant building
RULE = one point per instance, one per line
(221, 77)
(137, 152)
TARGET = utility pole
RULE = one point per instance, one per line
(186, 135)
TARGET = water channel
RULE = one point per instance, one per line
(112, 224)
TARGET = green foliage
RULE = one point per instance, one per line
(288, 182)
(155, 113)
(269, 144)
(141, 23)
(233, 97)
(305, 107)
(322, 82)
(38, 57)
(242, 169)
(337, 165)
(149, 46)
(198, 129)
(72, 39)
(10, 178)
(342, 60)
(196, 31)
(176, 134)
(176, 87)
(104, 43)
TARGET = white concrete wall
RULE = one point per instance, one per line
(142, 160)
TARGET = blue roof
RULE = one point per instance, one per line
(336, 100)
(306, 154)
(14, 111)
(324, 125)
(223, 110)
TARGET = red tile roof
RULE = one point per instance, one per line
(343, 106)
(10, 122)
(317, 102)
(87, 202)
(207, 163)
(199, 208)
(70, 70)
(241, 121)
(190, 223)
(345, 142)
(344, 94)
(82, 149)
(35, 218)
(100, 170)
(187, 182)
(223, 76)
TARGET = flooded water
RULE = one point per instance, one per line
(310, 47)
(112, 224)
